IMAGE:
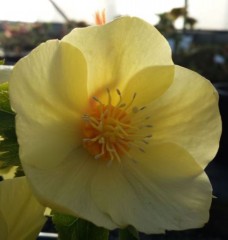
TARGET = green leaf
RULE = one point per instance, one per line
(2, 61)
(9, 148)
(4, 98)
(71, 228)
(129, 233)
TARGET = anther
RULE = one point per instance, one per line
(132, 100)
(142, 150)
(148, 136)
(122, 105)
(142, 108)
(85, 117)
(109, 97)
(86, 140)
(97, 100)
(144, 141)
(118, 92)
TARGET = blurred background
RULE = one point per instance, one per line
(197, 31)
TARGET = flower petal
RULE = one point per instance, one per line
(3, 227)
(116, 51)
(8, 172)
(22, 217)
(164, 189)
(48, 92)
(72, 183)
(49, 78)
(188, 115)
(39, 145)
(149, 84)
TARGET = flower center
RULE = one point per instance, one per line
(109, 131)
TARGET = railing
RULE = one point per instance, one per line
(5, 72)
(45, 235)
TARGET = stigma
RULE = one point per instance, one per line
(110, 131)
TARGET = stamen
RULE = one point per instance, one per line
(97, 127)
(148, 136)
(132, 100)
(142, 150)
(92, 119)
(85, 117)
(113, 150)
(119, 93)
(145, 126)
(122, 105)
(91, 139)
(109, 97)
(104, 114)
(102, 142)
(111, 131)
(97, 100)
(142, 108)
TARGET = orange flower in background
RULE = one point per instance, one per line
(100, 17)
(111, 131)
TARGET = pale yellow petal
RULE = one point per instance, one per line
(163, 189)
(47, 145)
(3, 228)
(8, 172)
(48, 92)
(148, 85)
(49, 83)
(20, 212)
(118, 50)
(188, 115)
(67, 188)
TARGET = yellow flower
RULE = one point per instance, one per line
(8, 172)
(110, 130)
(21, 216)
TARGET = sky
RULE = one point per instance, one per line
(211, 14)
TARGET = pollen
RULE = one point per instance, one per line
(109, 131)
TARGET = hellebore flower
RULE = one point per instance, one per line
(21, 216)
(110, 130)
(8, 172)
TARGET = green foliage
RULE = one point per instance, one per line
(129, 233)
(8, 144)
(4, 98)
(2, 61)
(71, 228)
